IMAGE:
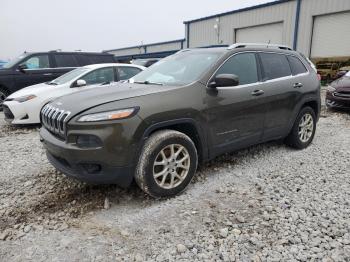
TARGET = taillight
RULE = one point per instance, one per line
(319, 77)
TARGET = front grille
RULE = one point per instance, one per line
(7, 112)
(341, 94)
(54, 120)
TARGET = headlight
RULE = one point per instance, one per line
(110, 115)
(24, 98)
(330, 89)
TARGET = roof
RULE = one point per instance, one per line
(152, 44)
(95, 66)
(238, 11)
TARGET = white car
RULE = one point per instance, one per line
(23, 106)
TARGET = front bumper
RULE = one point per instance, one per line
(20, 113)
(333, 101)
(88, 165)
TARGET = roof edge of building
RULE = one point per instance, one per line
(147, 45)
(238, 11)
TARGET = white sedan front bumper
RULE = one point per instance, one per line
(22, 113)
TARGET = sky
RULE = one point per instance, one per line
(96, 25)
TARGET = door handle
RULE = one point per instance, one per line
(48, 74)
(258, 92)
(298, 85)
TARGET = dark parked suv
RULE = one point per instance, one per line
(34, 68)
(186, 109)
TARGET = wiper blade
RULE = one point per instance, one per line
(149, 83)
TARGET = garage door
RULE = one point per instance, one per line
(331, 35)
(272, 33)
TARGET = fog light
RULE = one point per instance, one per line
(88, 141)
(92, 168)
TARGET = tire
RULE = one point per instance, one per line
(3, 94)
(296, 139)
(173, 176)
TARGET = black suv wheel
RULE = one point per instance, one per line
(167, 164)
(304, 129)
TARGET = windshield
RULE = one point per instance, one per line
(14, 61)
(68, 76)
(179, 69)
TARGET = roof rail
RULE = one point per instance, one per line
(265, 45)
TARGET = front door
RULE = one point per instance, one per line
(38, 70)
(235, 115)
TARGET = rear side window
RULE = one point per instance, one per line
(65, 60)
(296, 65)
(83, 60)
(243, 66)
(127, 72)
(275, 66)
(99, 59)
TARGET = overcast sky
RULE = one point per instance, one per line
(96, 25)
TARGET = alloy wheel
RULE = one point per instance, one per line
(171, 166)
(306, 128)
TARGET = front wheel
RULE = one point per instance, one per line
(167, 164)
(303, 130)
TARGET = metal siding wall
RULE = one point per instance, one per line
(202, 33)
(164, 47)
(310, 8)
(128, 51)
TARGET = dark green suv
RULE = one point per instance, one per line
(184, 110)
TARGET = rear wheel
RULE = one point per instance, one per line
(167, 164)
(3, 94)
(303, 130)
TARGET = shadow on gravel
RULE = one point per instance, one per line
(8, 129)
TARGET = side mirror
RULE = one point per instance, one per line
(80, 83)
(22, 67)
(224, 80)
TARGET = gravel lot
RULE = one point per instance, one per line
(265, 203)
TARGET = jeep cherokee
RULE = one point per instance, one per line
(186, 109)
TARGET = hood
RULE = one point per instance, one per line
(342, 84)
(89, 98)
(33, 90)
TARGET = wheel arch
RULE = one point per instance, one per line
(187, 126)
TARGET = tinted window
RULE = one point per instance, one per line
(36, 62)
(65, 60)
(275, 65)
(296, 65)
(127, 72)
(99, 76)
(83, 59)
(99, 59)
(242, 65)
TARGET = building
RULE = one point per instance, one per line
(318, 28)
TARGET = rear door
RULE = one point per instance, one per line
(38, 70)
(63, 63)
(282, 91)
(235, 115)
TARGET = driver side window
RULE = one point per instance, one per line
(242, 65)
(37, 62)
(99, 76)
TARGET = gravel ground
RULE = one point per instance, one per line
(265, 203)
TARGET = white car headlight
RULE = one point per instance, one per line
(110, 115)
(22, 99)
(330, 88)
